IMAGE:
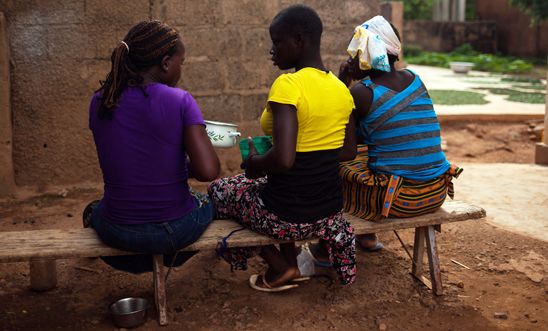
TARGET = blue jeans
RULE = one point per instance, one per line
(152, 238)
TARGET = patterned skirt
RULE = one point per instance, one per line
(238, 198)
(370, 196)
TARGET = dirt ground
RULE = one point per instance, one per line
(506, 276)
(488, 142)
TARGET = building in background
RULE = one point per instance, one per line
(515, 34)
(449, 11)
(54, 53)
(490, 26)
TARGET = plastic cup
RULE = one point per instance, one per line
(262, 145)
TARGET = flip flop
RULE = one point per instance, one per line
(253, 283)
(300, 279)
(378, 246)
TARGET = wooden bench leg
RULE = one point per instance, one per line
(43, 274)
(160, 288)
(418, 256)
(418, 253)
(433, 260)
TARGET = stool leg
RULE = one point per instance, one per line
(160, 288)
(43, 274)
(433, 260)
(418, 252)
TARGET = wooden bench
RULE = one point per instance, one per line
(42, 247)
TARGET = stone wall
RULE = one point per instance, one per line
(61, 49)
(446, 36)
(7, 178)
(515, 35)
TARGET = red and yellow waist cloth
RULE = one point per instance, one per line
(369, 195)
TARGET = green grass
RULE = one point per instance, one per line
(531, 87)
(516, 95)
(537, 98)
(480, 80)
(522, 80)
(497, 90)
(452, 97)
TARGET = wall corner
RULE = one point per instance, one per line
(7, 176)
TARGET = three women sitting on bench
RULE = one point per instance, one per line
(144, 128)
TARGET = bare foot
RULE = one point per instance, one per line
(319, 252)
(275, 280)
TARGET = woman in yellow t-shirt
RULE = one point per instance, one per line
(293, 191)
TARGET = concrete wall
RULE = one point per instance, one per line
(7, 182)
(515, 36)
(446, 36)
(61, 49)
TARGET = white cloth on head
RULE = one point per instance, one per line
(372, 41)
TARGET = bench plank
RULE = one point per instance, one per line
(451, 211)
(16, 246)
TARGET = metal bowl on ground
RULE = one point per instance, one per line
(129, 312)
(461, 67)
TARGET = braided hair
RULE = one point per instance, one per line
(145, 45)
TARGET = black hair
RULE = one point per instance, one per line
(145, 45)
(394, 58)
(301, 19)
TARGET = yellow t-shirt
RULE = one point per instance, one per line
(323, 106)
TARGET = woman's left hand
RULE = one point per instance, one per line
(344, 74)
(251, 170)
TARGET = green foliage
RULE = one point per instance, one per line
(518, 96)
(498, 90)
(429, 58)
(538, 98)
(537, 9)
(533, 81)
(417, 9)
(470, 14)
(531, 87)
(422, 9)
(412, 50)
(464, 49)
(465, 53)
(452, 97)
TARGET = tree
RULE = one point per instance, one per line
(422, 9)
(537, 9)
(417, 9)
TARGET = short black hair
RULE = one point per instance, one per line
(301, 19)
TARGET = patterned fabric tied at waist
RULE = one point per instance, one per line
(368, 194)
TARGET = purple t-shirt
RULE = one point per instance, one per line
(142, 155)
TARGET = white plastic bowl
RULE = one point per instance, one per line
(461, 67)
(222, 134)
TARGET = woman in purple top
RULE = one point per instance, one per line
(149, 136)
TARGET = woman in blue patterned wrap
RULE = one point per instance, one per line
(400, 169)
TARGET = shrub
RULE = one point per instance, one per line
(412, 50)
(464, 49)
(465, 53)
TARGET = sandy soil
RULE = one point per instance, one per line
(489, 142)
(506, 276)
